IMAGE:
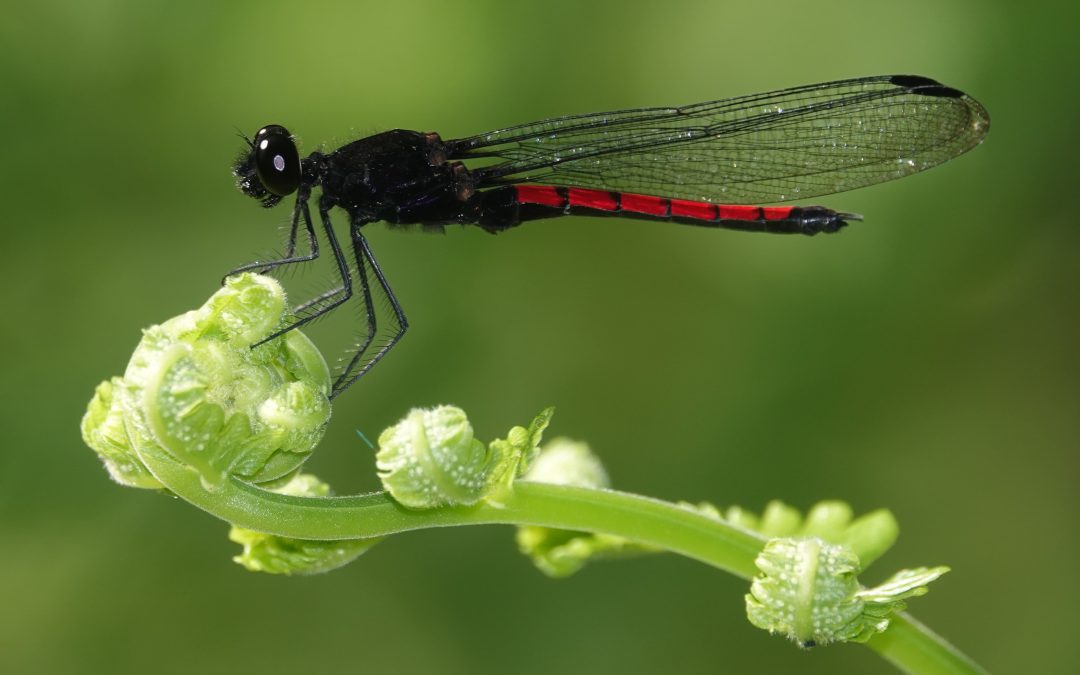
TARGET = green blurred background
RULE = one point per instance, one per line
(924, 360)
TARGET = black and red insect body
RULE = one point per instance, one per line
(707, 164)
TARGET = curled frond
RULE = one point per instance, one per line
(197, 392)
(809, 591)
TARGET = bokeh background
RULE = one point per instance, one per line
(925, 360)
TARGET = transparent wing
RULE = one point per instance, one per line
(771, 147)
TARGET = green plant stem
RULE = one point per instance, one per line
(914, 648)
(907, 644)
(640, 519)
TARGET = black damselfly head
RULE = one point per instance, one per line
(269, 168)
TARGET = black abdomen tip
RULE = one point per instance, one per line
(925, 86)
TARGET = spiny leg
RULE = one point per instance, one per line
(372, 325)
(321, 297)
(343, 269)
(290, 258)
(358, 365)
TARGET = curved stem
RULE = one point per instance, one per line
(639, 519)
(909, 645)
(914, 648)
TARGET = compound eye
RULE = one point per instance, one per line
(277, 162)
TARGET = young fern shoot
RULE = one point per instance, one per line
(202, 415)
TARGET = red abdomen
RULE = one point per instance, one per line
(532, 202)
